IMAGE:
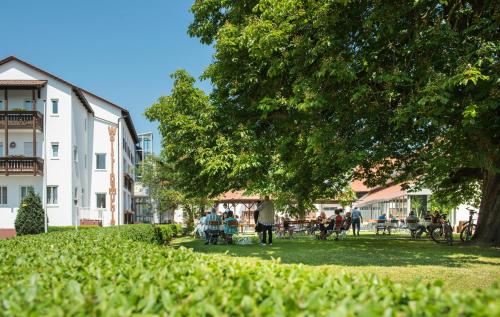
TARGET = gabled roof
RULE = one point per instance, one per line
(382, 194)
(79, 93)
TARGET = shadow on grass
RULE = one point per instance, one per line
(367, 250)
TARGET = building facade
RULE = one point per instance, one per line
(144, 206)
(73, 148)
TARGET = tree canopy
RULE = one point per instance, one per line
(308, 95)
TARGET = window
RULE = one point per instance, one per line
(25, 190)
(3, 195)
(75, 196)
(75, 154)
(55, 106)
(100, 200)
(1, 105)
(28, 149)
(1, 149)
(55, 150)
(28, 105)
(100, 161)
(52, 195)
(85, 161)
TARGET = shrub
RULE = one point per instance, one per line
(70, 228)
(108, 272)
(30, 216)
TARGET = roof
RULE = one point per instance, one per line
(125, 114)
(237, 197)
(79, 93)
(382, 194)
(359, 186)
(14, 84)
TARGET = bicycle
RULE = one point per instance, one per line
(443, 233)
(469, 227)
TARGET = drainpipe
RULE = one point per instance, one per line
(44, 176)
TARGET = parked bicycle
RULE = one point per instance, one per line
(442, 233)
(469, 227)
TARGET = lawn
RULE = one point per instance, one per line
(132, 271)
(398, 258)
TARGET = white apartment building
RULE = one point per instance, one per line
(73, 148)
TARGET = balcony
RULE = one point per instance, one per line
(20, 119)
(21, 166)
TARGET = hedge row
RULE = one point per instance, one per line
(69, 228)
(119, 272)
(160, 234)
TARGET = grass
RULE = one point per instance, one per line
(398, 258)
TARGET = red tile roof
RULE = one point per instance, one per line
(383, 194)
(237, 196)
(359, 186)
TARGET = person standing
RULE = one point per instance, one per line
(266, 220)
(256, 213)
(356, 221)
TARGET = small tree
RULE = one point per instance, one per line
(29, 219)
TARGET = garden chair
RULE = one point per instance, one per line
(213, 235)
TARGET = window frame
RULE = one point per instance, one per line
(52, 150)
(97, 162)
(75, 153)
(30, 149)
(97, 200)
(21, 191)
(4, 188)
(56, 103)
(52, 202)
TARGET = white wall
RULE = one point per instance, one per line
(8, 212)
(72, 126)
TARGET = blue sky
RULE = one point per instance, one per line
(123, 51)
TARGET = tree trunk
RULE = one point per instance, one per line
(488, 226)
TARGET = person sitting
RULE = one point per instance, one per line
(199, 230)
(230, 227)
(287, 228)
(393, 224)
(347, 221)
(323, 223)
(412, 222)
(381, 223)
(212, 226)
(339, 223)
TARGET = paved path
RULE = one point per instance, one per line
(7, 233)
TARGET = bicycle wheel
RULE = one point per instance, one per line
(438, 235)
(467, 232)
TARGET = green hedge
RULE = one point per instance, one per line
(159, 234)
(70, 228)
(119, 272)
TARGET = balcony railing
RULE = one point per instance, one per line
(20, 119)
(21, 166)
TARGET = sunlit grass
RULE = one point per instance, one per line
(395, 257)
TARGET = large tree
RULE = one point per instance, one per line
(310, 94)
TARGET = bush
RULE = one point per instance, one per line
(70, 228)
(30, 216)
(117, 272)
